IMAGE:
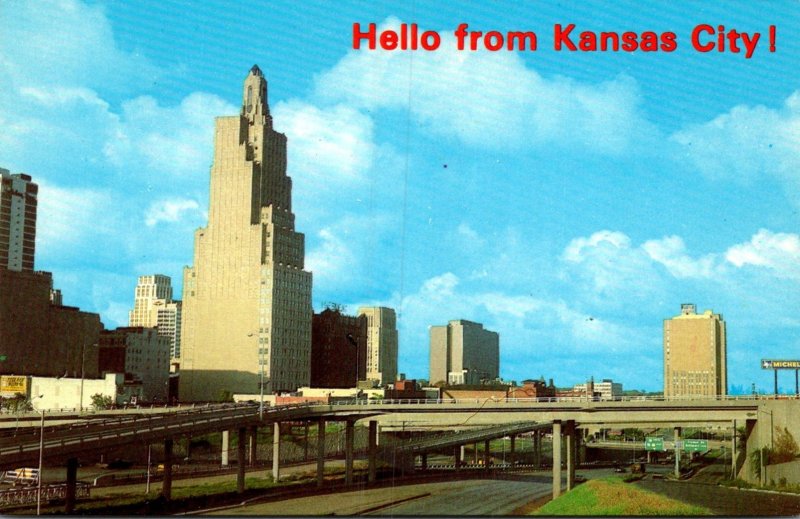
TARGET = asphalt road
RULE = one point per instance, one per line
(727, 501)
(478, 497)
(462, 498)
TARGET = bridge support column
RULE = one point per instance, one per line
(240, 459)
(556, 458)
(458, 451)
(570, 452)
(373, 451)
(276, 451)
(677, 436)
(537, 449)
(486, 454)
(513, 446)
(225, 446)
(166, 484)
(348, 453)
(424, 461)
(320, 451)
(253, 445)
(305, 442)
(475, 453)
(72, 481)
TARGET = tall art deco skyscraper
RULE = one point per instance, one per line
(247, 299)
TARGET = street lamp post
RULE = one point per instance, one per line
(41, 457)
(261, 398)
(354, 341)
(260, 376)
(147, 488)
(83, 358)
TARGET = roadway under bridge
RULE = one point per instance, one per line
(65, 438)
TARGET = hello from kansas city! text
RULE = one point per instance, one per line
(566, 38)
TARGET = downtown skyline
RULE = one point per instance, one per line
(568, 202)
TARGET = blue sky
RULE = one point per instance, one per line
(568, 200)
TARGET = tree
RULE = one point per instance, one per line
(758, 457)
(18, 403)
(785, 448)
(101, 401)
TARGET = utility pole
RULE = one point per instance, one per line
(83, 356)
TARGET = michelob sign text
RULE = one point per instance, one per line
(780, 364)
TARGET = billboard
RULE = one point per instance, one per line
(10, 385)
(780, 364)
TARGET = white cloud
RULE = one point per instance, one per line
(332, 259)
(167, 140)
(67, 216)
(608, 240)
(467, 232)
(58, 96)
(332, 144)
(748, 142)
(169, 210)
(777, 252)
(670, 251)
(608, 269)
(612, 262)
(487, 99)
(516, 317)
(66, 43)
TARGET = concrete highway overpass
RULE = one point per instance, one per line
(75, 436)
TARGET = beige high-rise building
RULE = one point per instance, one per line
(247, 298)
(695, 362)
(18, 201)
(463, 353)
(381, 344)
(153, 307)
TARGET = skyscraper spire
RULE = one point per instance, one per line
(254, 98)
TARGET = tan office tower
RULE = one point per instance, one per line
(695, 362)
(463, 353)
(153, 307)
(247, 299)
(18, 200)
(381, 344)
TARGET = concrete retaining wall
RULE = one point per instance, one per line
(789, 470)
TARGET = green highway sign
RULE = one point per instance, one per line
(654, 443)
(695, 445)
(3, 358)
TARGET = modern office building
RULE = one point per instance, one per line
(18, 200)
(247, 297)
(142, 354)
(695, 361)
(153, 307)
(462, 352)
(381, 344)
(338, 349)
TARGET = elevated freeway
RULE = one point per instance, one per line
(114, 429)
(68, 437)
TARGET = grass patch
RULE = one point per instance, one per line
(611, 496)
